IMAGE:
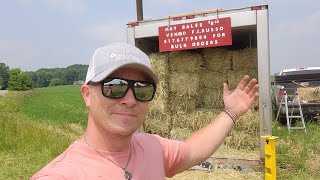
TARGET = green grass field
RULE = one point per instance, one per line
(38, 125)
(59, 104)
(298, 154)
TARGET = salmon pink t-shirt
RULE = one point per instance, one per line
(151, 157)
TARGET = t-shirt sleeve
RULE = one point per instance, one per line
(57, 170)
(53, 174)
(175, 155)
(47, 177)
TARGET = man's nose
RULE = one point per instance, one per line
(129, 98)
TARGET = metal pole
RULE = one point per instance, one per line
(265, 111)
(139, 10)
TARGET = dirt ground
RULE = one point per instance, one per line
(225, 174)
(3, 92)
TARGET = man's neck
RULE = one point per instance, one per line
(104, 140)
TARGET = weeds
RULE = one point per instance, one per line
(29, 139)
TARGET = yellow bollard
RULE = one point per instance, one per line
(270, 157)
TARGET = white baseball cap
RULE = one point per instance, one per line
(110, 58)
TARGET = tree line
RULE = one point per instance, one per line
(17, 80)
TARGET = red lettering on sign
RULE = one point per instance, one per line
(200, 34)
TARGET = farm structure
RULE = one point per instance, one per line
(193, 54)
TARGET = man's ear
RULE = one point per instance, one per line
(85, 91)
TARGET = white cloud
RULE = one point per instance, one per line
(74, 6)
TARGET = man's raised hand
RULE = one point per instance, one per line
(242, 98)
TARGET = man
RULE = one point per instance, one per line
(110, 148)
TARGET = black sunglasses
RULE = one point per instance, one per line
(114, 87)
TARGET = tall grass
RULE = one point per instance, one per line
(298, 153)
(36, 126)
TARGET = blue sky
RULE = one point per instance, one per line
(38, 34)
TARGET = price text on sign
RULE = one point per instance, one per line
(200, 34)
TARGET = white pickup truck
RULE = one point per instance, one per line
(288, 82)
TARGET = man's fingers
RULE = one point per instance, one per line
(254, 91)
(243, 82)
(255, 97)
(251, 85)
(226, 90)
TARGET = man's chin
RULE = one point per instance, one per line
(126, 125)
(125, 134)
(126, 131)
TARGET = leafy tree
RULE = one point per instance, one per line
(34, 78)
(56, 82)
(44, 78)
(19, 81)
(76, 72)
(71, 75)
(4, 76)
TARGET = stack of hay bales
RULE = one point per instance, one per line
(189, 94)
(158, 120)
(214, 74)
(184, 90)
(184, 80)
(242, 62)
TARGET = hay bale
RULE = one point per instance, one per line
(309, 94)
(245, 134)
(159, 105)
(243, 140)
(211, 99)
(180, 133)
(244, 59)
(249, 121)
(212, 79)
(184, 84)
(235, 76)
(193, 120)
(158, 124)
(182, 103)
(160, 102)
(211, 84)
(160, 64)
(185, 62)
(217, 59)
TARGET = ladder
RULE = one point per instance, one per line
(294, 106)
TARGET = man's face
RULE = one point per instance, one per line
(121, 116)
